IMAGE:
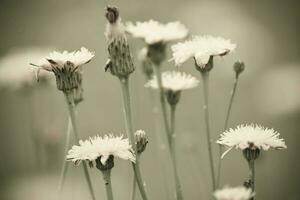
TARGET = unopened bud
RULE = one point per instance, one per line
(239, 67)
(141, 141)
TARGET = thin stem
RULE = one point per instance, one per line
(205, 78)
(163, 102)
(233, 91)
(133, 190)
(65, 164)
(179, 195)
(71, 107)
(252, 174)
(107, 182)
(129, 131)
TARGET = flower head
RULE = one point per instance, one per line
(66, 66)
(201, 48)
(174, 81)
(101, 148)
(141, 140)
(154, 32)
(251, 137)
(236, 193)
(120, 62)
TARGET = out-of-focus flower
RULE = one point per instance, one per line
(154, 32)
(101, 148)
(236, 193)
(202, 49)
(120, 62)
(15, 72)
(252, 137)
(66, 66)
(175, 81)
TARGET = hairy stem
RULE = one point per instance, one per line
(129, 131)
(205, 78)
(233, 91)
(72, 113)
(107, 182)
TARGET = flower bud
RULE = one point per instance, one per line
(141, 141)
(109, 164)
(120, 62)
(238, 67)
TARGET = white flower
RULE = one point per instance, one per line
(59, 59)
(15, 72)
(102, 147)
(251, 136)
(153, 32)
(175, 81)
(236, 193)
(201, 48)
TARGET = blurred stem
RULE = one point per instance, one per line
(129, 130)
(65, 163)
(107, 182)
(179, 195)
(233, 91)
(205, 78)
(133, 190)
(72, 113)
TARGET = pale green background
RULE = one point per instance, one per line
(267, 37)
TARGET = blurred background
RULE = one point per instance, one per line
(33, 117)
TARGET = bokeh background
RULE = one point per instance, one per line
(33, 122)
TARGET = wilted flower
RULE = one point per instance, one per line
(236, 193)
(154, 32)
(15, 72)
(175, 81)
(253, 137)
(66, 66)
(101, 149)
(202, 49)
(120, 61)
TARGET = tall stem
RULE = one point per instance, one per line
(107, 182)
(65, 164)
(233, 91)
(179, 195)
(129, 131)
(205, 78)
(71, 107)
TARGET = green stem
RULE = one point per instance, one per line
(163, 102)
(205, 77)
(179, 195)
(225, 127)
(129, 131)
(65, 163)
(107, 182)
(71, 107)
(251, 164)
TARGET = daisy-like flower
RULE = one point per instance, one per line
(101, 149)
(236, 193)
(202, 49)
(154, 32)
(175, 81)
(253, 137)
(15, 73)
(66, 66)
